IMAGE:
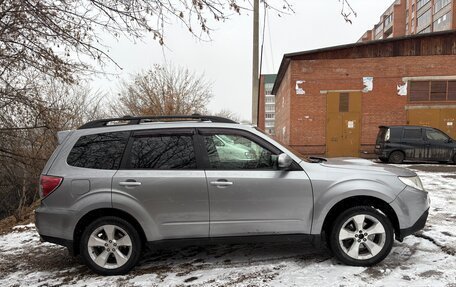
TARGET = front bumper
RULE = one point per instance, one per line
(419, 224)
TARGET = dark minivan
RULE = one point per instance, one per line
(414, 143)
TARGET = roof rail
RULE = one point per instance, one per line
(137, 120)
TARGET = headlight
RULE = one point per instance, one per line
(413, 181)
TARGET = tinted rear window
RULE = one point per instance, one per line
(162, 152)
(414, 134)
(99, 151)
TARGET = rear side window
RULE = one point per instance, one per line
(412, 134)
(162, 152)
(99, 151)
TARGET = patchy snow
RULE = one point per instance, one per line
(425, 259)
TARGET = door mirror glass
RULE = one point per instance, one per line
(284, 161)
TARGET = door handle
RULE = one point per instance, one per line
(221, 183)
(129, 183)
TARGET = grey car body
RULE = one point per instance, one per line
(305, 198)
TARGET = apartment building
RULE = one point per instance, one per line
(409, 17)
(266, 113)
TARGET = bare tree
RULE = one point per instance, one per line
(225, 113)
(163, 90)
(28, 138)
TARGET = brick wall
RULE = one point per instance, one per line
(305, 115)
(282, 107)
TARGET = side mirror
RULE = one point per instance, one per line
(284, 161)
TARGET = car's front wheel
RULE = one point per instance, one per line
(110, 246)
(361, 236)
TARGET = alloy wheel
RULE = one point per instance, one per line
(109, 246)
(362, 237)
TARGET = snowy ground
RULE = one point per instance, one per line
(425, 259)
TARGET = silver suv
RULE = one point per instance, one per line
(113, 185)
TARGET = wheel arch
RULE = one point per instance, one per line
(85, 220)
(349, 202)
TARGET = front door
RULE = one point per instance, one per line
(160, 175)
(248, 194)
(439, 146)
(343, 124)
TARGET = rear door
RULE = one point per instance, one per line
(248, 194)
(160, 174)
(413, 144)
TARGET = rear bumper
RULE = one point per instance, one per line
(419, 224)
(54, 223)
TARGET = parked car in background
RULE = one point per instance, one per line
(396, 144)
(109, 189)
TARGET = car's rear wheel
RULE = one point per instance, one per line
(396, 157)
(110, 246)
(361, 236)
(383, 159)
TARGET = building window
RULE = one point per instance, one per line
(270, 108)
(439, 4)
(269, 116)
(378, 30)
(270, 100)
(268, 88)
(425, 30)
(421, 3)
(451, 91)
(424, 20)
(443, 23)
(436, 91)
(388, 19)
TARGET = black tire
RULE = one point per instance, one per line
(383, 159)
(361, 244)
(122, 232)
(396, 157)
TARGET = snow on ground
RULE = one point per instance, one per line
(425, 259)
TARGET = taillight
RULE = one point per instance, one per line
(48, 184)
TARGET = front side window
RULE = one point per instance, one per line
(162, 152)
(99, 151)
(233, 152)
(436, 136)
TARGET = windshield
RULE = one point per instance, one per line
(294, 151)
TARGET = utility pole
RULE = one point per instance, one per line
(255, 64)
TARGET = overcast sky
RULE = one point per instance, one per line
(226, 60)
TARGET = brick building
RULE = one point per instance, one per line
(331, 101)
(409, 17)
